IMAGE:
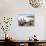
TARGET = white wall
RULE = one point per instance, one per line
(11, 7)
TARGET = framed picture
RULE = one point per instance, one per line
(26, 20)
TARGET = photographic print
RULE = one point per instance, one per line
(26, 20)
